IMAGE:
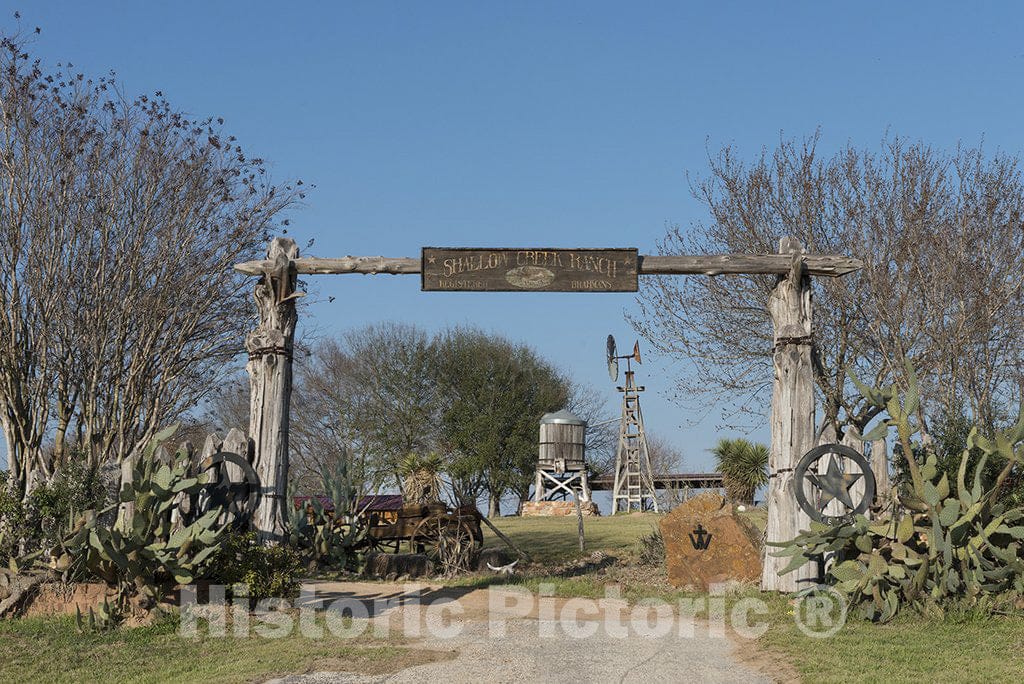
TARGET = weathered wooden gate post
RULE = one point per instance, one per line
(270, 347)
(792, 420)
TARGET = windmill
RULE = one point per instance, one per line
(634, 481)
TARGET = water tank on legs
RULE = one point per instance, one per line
(562, 438)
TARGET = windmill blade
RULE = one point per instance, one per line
(613, 361)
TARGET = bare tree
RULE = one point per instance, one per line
(330, 411)
(666, 458)
(120, 222)
(941, 238)
(602, 434)
(370, 393)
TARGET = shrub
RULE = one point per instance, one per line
(267, 572)
(651, 548)
(47, 515)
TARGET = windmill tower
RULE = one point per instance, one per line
(634, 481)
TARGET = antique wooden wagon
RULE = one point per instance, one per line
(443, 534)
(448, 536)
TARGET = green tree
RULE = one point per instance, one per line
(744, 467)
(493, 393)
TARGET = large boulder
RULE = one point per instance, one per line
(707, 543)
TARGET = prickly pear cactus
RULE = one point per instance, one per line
(937, 544)
(148, 552)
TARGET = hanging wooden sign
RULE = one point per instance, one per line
(464, 269)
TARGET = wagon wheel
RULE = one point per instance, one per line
(389, 545)
(382, 545)
(239, 499)
(447, 541)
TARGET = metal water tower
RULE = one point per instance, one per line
(561, 461)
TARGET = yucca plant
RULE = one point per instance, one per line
(744, 467)
(421, 478)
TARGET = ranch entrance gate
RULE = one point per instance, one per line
(270, 345)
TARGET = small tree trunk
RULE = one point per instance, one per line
(126, 511)
(270, 348)
(579, 525)
(493, 505)
(880, 465)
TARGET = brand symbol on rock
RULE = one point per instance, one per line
(700, 538)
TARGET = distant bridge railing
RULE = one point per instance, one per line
(666, 481)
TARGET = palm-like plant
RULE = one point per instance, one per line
(744, 467)
(421, 477)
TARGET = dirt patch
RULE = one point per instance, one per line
(754, 655)
(381, 661)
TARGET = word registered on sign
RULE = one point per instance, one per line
(465, 269)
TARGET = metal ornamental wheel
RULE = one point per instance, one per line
(447, 541)
(239, 499)
(830, 488)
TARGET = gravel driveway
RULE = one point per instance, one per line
(511, 638)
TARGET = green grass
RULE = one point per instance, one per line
(51, 650)
(553, 540)
(910, 649)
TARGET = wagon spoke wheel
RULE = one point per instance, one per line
(447, 541)
(382, 544)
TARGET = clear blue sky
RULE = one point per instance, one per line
(539, 123)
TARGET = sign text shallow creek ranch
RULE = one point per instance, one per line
(528, 270)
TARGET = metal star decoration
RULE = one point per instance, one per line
(834, 484)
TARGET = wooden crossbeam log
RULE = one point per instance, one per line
(828, 265)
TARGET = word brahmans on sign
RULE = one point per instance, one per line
(529, 270)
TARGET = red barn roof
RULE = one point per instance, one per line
(380, 502)
(373, 502)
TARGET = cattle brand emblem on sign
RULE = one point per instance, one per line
(463, 269)
(700, 538)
